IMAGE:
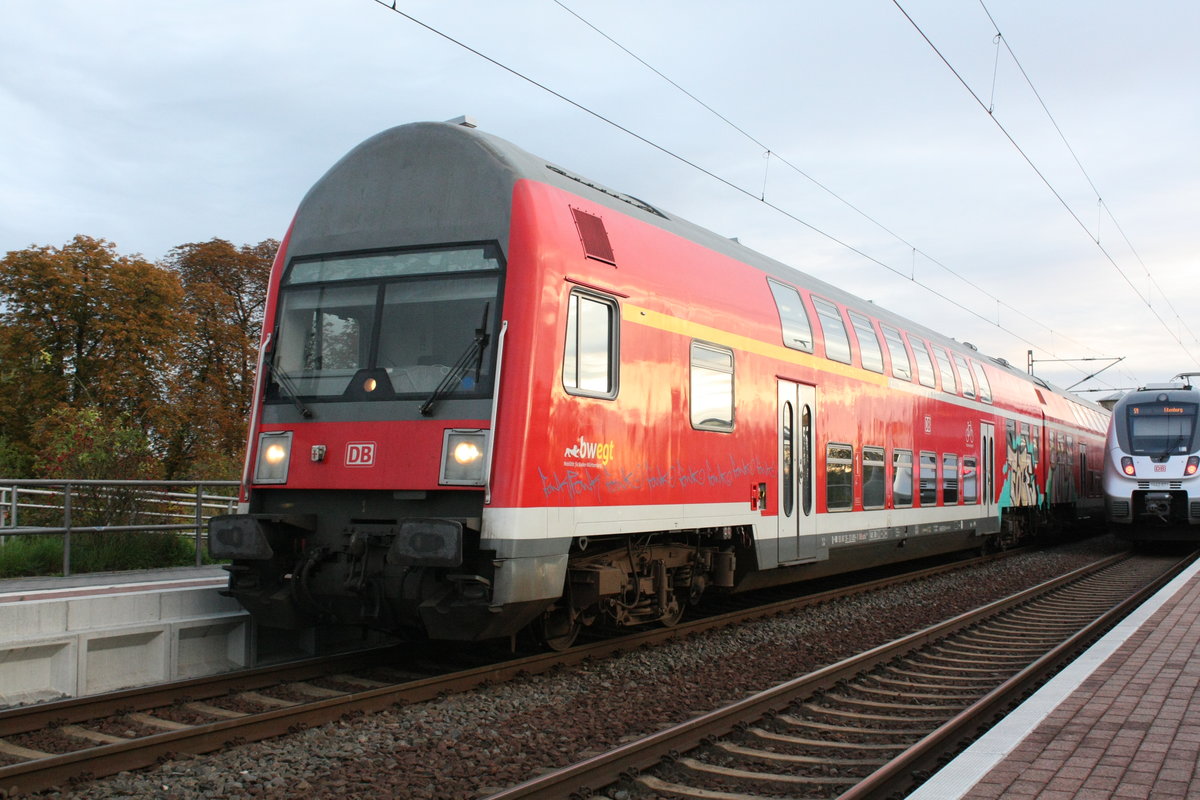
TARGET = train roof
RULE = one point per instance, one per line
(1179, 390)
(487, 165)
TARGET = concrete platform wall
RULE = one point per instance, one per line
(74, 646)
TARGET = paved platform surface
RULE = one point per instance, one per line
(1122, 722)
(97, 583)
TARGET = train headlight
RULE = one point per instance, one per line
(464, 457)
(1127, 466)
(1193, 464)
(274, 452)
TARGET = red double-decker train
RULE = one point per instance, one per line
(498, 396)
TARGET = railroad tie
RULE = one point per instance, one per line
(92, 736)
(16, 751)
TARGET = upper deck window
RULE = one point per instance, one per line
(590, 352)
(949, 382)
(387, 325)
(793, 317)
(985, 387)
(868, 342)
(712, 387)
(1161, 429)
(924, 363)
(901, 366)
(965, 371)
(837, 341)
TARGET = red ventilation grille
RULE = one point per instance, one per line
(593, 236)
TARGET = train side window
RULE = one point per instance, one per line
(839, 477)
(833, 329)
(949, 479)
(1077, 412)
(970, 480)
(985, 388)
(964, 372)
(949, 382)
(806, 456)
(901, 366)
(787, 457)
(920, 352)
(712, 387)
(590, 355)
(793, 317)
(929, 484)
(902, 478)
(874, 477)
(868, 342)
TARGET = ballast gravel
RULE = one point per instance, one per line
(474, 744)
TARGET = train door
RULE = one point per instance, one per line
(796, 490)
(987, 469)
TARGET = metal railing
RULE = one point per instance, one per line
(96, 506)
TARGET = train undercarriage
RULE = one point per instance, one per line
(430, 577)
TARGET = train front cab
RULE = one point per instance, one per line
(1152, 458)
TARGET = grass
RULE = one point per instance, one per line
(26, 555)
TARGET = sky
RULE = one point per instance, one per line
(1032, 191)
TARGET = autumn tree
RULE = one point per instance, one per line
(203, 428)
(167, 350)
(83, 443)
(83, 326)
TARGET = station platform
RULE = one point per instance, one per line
(1122, 721)
(91, 584)
(91, 633)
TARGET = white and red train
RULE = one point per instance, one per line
(1152, 464)
(498, 396)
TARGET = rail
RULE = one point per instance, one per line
(635, 759)
(98, 506)
(42, 772)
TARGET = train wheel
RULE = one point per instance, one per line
(557, 629)
(673, 615)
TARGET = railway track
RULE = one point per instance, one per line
(75, 740)
(876, 724)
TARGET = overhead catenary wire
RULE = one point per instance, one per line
(1108, 256)
(1001, 39)
(691, 164)
(732, 185)
(771, 153)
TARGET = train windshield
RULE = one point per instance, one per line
(1161, 428)
(384, 326)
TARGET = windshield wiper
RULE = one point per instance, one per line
(284, 381)
(1179, 440)
(473, 353)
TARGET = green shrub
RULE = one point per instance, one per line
(24, 556)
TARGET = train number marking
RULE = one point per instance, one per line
(360, 454)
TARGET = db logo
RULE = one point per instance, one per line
(360, 454)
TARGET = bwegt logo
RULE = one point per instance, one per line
(596, 452)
